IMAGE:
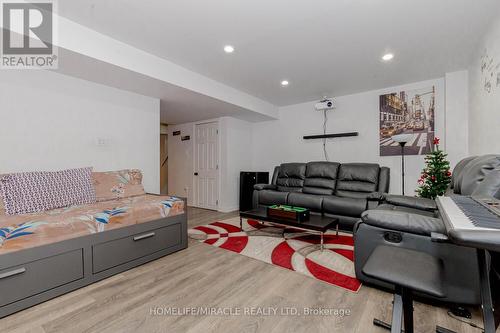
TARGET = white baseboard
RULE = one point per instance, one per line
(228, 209)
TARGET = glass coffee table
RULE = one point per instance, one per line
(317, 223)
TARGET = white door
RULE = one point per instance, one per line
(207, 165)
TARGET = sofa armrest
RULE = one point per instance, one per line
(411, 202)
(260, 187)
(376, 196)
(404, 222)
(374, 199)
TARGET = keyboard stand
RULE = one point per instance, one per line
(486, 299)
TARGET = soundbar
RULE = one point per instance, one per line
(334, 135)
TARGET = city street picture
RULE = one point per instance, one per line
(407, 112)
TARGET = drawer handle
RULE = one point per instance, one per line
(138, 238)
(12, 273)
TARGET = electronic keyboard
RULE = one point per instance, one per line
(475, 222)
(472, 221)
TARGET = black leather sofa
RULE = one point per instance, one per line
(415, 223)
(338, 190)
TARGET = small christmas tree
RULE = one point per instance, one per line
(436, 175)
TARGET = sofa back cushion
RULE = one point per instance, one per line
(320, 178)
(357, 180)
(457, 174)
(475, 172)
(113, 185)
(291, 177)
(30, 192)
(490, 186)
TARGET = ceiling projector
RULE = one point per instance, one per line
(325, 104)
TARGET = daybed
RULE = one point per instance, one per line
(48, 253)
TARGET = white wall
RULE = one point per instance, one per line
(181, 162)
(484, 117)
(50, 121)
(248, 146)
(279, 141)
(234, 156)
(236, 139)
(457, 116)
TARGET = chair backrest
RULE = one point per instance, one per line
(321, 178)
(291, 177)
(456, 175)
(475, 172)
(490, 186)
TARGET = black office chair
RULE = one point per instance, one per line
(408, 271)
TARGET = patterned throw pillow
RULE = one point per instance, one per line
(2, 208)
(113, 185)
(30, 192)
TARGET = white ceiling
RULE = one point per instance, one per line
(178, 105)
(323, 47)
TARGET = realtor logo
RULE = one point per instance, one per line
(28, 35)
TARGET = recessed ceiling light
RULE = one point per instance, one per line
(284, 83)
(387, 56)
(228, 49)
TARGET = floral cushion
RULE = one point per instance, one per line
(117, 184)
(21, 232)
(2, 208)
(30, 192)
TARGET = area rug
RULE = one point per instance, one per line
(289, 248)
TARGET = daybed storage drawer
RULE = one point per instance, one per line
(34, 277)
(116, 252)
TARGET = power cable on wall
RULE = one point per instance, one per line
(325, 120)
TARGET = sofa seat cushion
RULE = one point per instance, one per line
(344, 206)
(403, 221)
(310, 201)
(272, 197)
(405, 209)
(19, 232)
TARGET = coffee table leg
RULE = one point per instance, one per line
(241, 224)
(337, 230)
(321, 247)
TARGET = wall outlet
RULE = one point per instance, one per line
(101, 142)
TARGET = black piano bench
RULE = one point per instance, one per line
(408, 271)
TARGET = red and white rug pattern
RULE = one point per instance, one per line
(299, 252)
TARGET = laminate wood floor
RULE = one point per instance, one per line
(206, 276)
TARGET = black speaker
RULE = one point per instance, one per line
(247, 180)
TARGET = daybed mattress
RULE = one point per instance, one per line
(19, 232)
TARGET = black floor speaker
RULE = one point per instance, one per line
(247, 180)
